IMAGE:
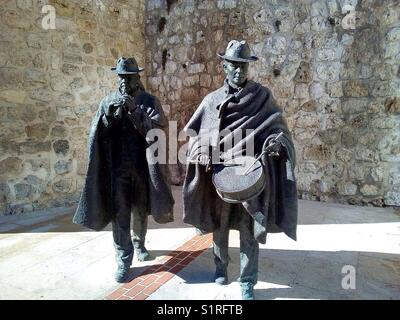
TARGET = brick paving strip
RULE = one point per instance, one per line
(153, 277)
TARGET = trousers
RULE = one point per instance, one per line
(130, 194)
(249, 247)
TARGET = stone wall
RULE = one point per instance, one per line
(338, 87)
(337, 82)
(50, 84)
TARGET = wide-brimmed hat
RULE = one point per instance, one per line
(237, 51)
(126, 66)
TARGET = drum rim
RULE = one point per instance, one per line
(260, 166)
(230, 200)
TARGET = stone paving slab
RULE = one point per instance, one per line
(45, 256)
(154, 277)
(310, 268)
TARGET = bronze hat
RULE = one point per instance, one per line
(237, 51)
(126, 66)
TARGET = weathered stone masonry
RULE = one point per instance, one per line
(50, 86)
(338, 87)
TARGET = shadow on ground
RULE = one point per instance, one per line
(298, 274)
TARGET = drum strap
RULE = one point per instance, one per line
(289, 170)
(258, 216)
(259, 225)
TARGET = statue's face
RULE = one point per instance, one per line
(128, 83)
(236, 72)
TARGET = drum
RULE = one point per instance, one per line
(239, 179)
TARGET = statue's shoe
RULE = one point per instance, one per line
(142, 254)
(221, 281)
(221, 275)
(122, 274)
(247, 289)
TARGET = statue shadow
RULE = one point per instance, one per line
(178, 261)
(295, 274)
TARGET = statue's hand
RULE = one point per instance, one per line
(204, 160)
(274, 148)
(113, 110)
(129, 104)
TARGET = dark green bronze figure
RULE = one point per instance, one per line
(241, 108)
(122, 177)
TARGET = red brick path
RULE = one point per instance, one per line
(155, 276)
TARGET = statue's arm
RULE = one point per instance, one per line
(146, 118)
(283, 152)
(107, 120)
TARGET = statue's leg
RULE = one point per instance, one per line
(139, 226)
(248, 257)
(140, 219)
(221, 245)
(121, 226)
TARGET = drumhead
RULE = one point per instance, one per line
(231, 182)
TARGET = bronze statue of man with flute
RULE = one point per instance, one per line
(123, 177)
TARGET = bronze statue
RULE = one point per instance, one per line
(122, 177)
(225, 189)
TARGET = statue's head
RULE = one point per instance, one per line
(236, 62)
(236, 72)
(128, 75)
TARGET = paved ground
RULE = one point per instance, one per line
(44, 256)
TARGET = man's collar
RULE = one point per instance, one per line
(231, 90)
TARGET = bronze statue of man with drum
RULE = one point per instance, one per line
(240, 168)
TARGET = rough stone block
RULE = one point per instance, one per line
(37, 131)
(4, 193)
(226, 4)
(354, 105)
(70, 69)
(355, 88)
(347, 189)
(205, 80)
(196, 68)
(35, 147)
(10, 166)
(63, 185)
(170, 67)
(191, 81)
(317, 152)
(26, 113)
(301, 91)
(303, 74)
(392, 105)
(63, 166)
(23, 191)
(369, 190)
(16, 96)
(309, 106)
(393, 34)
(42, 94)
(328, 71)
(61, 147)
(334, 89)
(392, 198)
